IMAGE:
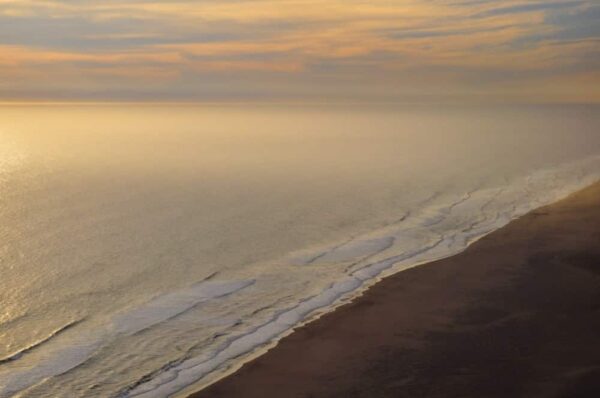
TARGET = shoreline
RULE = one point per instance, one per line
(246, 378)
(458, 224)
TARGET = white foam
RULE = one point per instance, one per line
(188, 372)
(56, 360)
(170, 305)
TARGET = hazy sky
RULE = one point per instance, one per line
(313, 50)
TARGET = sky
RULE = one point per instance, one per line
(300, 50)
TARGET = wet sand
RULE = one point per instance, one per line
(515, 315)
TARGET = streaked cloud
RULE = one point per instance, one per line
(300, 49)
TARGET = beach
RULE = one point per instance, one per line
(517, 314)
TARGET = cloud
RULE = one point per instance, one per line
(322, 48)
(529, 7)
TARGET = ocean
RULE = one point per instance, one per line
(149, 249)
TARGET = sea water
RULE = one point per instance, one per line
(148, 248)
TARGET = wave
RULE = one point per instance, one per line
(37, 344)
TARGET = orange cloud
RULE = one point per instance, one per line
(310, 40)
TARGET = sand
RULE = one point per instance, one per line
(515, 315)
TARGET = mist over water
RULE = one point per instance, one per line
(147, 247)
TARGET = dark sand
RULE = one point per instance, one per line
(515, 315)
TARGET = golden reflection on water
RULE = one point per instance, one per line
(11, 155)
